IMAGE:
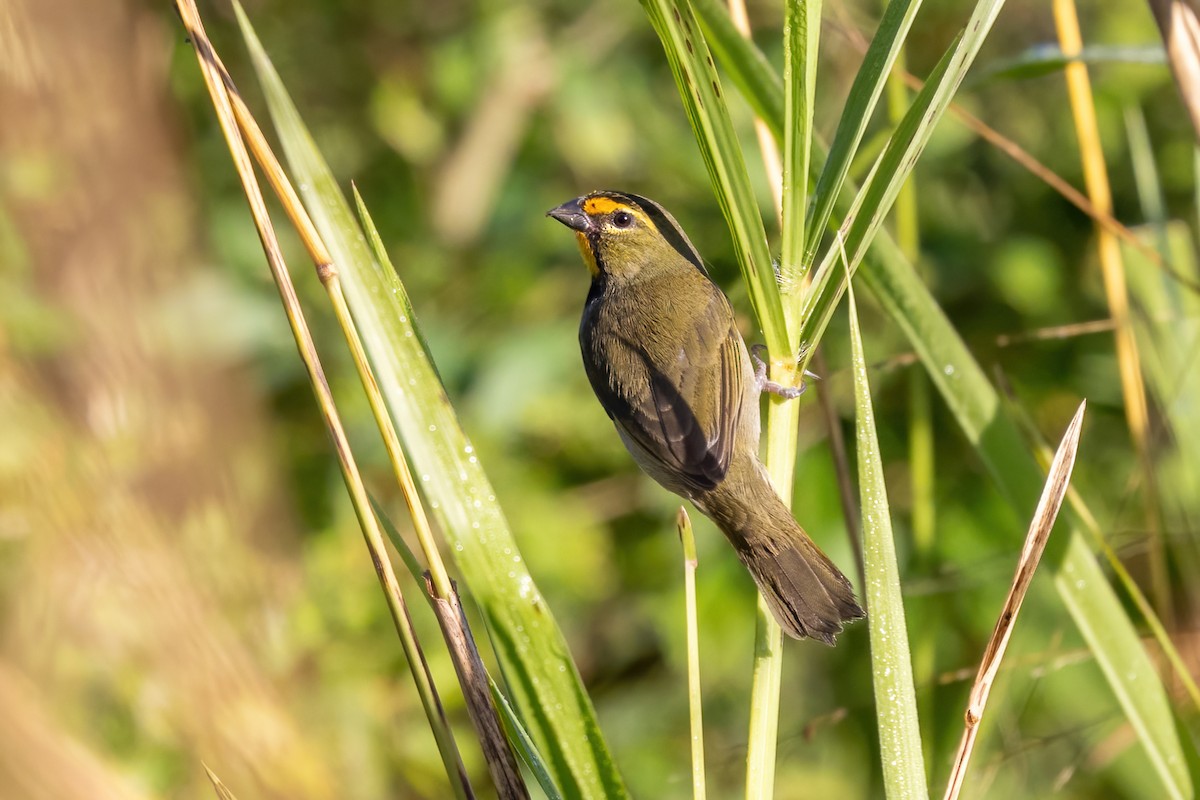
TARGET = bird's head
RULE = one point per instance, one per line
(622, 234)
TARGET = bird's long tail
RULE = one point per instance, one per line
(806, 592)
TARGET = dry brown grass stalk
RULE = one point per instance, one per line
(221, 789)
(1179, 22)
(215, 79)
(1035, 543)
(473, 677)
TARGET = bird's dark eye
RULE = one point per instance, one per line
(622, 219)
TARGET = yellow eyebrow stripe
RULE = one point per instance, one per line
(604, 205)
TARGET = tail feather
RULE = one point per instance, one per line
(806, 592)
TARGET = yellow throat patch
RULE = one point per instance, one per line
(589, 258)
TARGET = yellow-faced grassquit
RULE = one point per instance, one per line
(667, 363)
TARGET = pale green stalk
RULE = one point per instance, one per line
(802, 30)
(695, 706)
(783, 422)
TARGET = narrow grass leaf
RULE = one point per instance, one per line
(747, 67)
(1108, 630)
(860, 105)
(542, 678)
(1086, 522)
(1168, 330)
(1146, 178)
(406, 555)
(699, 88)
(975, 405)
(801, 37)
(893, 167)
(867, 212)
(891, 663)
(1048, 59)
(1119, 652)
(524, 743)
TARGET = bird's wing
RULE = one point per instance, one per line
(678, 396)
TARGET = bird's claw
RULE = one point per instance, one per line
(774, 387)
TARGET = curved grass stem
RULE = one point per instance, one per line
(216, 80)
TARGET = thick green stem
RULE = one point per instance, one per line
(783, 421)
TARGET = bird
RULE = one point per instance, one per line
(663, 354)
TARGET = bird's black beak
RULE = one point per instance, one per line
(572, 215)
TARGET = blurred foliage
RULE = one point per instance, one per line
(461, 123)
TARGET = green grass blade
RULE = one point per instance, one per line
(543, 681)
(868, 211)
(891, 663)
(801, 36)
(524, 744)
(513, 728)
(910, 138)
(699, 87)
(860, 104)
(975, 405)
(1120, 654)
(747, 67)
(1048, 59)
(1145, 176)
(1108, 630)
(1168, 331)
(893, 167)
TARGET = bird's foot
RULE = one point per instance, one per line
(774, 387)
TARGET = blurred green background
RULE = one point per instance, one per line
(181, 577)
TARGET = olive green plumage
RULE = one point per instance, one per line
(667, 363)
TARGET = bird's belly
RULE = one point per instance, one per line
(667, 478)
